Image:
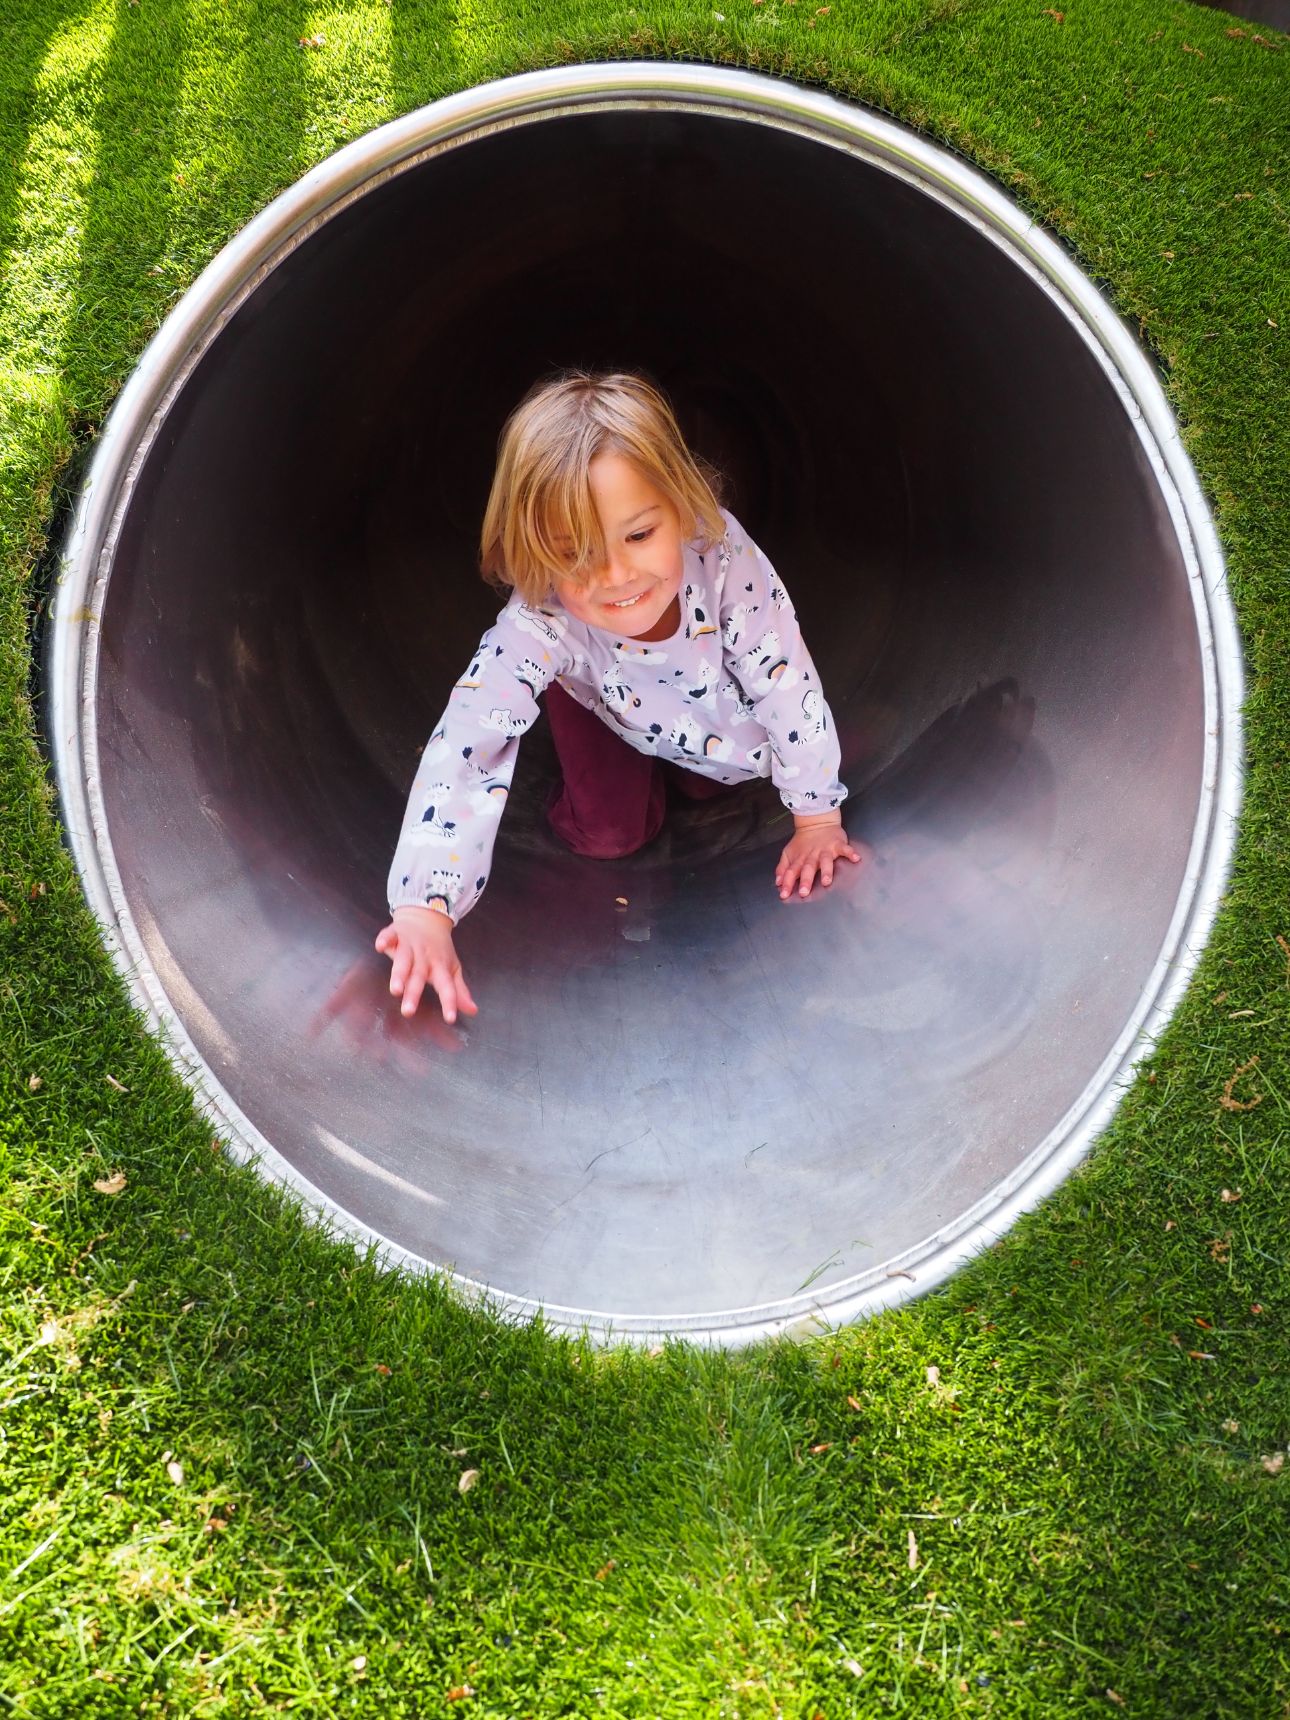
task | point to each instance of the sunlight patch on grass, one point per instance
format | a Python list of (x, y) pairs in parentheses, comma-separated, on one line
[(41, 267), (345, 53)]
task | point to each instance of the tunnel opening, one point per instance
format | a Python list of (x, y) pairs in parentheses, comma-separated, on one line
[(685, 1105)]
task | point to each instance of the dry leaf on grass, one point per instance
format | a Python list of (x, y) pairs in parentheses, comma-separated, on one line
[(913, 1552), (34, 1083), (1229, 1195), (111, 1185), (48, 1332), (359, 1663), (113, 1082), (603, 1572), (459, 1693), (467, 1480), (176, 1472), (1275, 1463), (933, 1376)]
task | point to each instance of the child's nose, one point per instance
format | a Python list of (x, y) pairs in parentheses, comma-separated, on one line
[(616, 571)]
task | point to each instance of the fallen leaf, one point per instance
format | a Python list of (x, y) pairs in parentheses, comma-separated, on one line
[(176, 1472), (383, 1370), (1202, 1355), (216, 1525), (318, 41), (655, 1353), (459, 1693), (359, 1662), (1115, 1697), (933, 1376), (1231, 1425), (113, 1082), (188, 1307), (817, 1449), (1235, 32), (1059, 17), (1243, 197), (1169, 1224), (913, 1552), (1229, 1195), (621, 900), (34, 1083), (48, 1332), (1205, 1323), (1188, 49), (854, 1668), (111, 1185), (854, 1403), (1256, 1307), (603, 1572), (1274, 1464), (467, 1480)]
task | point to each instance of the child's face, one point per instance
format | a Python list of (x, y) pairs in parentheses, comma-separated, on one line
[(635, 593)]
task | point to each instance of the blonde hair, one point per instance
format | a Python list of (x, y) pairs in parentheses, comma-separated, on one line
[(541, 490)]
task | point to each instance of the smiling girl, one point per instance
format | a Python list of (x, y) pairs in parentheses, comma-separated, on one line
[(656, 630)]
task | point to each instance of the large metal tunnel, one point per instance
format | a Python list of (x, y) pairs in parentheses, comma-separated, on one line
[(684, 1106)]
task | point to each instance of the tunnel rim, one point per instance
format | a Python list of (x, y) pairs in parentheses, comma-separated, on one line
[(195, 324)]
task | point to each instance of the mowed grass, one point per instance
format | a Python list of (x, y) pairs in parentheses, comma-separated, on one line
[(232, 1451)]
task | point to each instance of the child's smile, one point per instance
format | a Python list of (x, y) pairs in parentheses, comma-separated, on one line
[(635, 592)]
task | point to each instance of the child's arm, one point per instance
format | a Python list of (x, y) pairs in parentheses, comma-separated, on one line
[(441, 863), (765, 651)]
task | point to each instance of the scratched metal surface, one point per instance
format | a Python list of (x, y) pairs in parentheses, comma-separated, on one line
[(704, 1110)]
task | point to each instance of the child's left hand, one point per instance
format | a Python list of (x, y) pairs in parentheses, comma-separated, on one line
[(816, 844)]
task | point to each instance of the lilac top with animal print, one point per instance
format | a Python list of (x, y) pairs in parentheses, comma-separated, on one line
[(732, 694)]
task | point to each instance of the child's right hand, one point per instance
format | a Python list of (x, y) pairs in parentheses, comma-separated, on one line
[(418, 942)]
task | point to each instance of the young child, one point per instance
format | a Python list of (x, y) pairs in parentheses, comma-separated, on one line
[(655, 628)]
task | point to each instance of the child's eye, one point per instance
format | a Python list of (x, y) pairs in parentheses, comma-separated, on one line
[(639, 537)]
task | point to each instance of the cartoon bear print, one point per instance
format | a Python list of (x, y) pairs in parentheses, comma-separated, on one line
[(812, 718), (735, 624), (616, 694), (765, 666), (443, 887), (533, 676), (506, 722), (433, 828), (540, 624)]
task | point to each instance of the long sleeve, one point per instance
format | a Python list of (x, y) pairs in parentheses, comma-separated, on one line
[(445, 844), (767, 655)]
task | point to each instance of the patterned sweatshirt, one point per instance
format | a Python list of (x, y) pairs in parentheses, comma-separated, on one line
[(733, 694)]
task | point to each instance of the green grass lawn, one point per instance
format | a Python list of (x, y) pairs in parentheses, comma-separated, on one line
[(232, 1451)]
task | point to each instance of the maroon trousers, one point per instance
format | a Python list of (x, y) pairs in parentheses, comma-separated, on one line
[(613, 799)]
